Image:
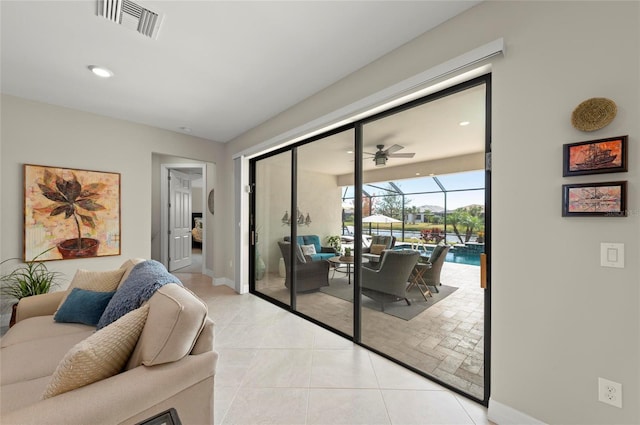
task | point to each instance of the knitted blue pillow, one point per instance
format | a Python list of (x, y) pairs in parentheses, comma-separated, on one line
[(143, 281), (83, 306)]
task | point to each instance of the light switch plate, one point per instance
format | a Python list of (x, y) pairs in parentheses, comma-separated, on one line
[(612, 254)]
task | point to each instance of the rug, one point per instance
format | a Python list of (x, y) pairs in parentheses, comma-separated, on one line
[(341, 289)]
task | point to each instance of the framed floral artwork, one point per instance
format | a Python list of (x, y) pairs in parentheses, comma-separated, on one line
[(70, 213)]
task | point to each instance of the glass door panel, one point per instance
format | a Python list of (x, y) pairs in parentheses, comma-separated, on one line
[(418, 306), (272, 192), (325, 288)]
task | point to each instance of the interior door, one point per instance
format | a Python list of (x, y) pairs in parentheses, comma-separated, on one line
[(179, 220)]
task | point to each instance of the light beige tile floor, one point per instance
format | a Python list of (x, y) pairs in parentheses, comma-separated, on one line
[(445, 341), (277, 368)]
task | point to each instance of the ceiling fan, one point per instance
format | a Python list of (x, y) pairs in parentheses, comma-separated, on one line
[(381, 156)]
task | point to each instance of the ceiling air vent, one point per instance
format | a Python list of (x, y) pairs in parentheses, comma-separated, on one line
[(131, 15)]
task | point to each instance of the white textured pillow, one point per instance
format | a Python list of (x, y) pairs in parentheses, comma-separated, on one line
[(105, 281), (103, 354), (308, 249)]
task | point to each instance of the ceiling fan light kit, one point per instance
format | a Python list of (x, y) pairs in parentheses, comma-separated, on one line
[(381, 156)]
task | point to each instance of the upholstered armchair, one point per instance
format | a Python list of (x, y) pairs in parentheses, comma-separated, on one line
[(310, 275), (374, 251), (432, 275), (389, 282)]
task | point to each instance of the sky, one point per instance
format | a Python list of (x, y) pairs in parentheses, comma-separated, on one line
[(451, 182)]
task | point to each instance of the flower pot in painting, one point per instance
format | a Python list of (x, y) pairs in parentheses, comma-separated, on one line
[(69, 248)]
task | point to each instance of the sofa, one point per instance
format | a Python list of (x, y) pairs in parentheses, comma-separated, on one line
[(318, 252), (154, 358)]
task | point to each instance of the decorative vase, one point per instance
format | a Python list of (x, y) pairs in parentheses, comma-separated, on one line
[(260, 266), (69, 248)]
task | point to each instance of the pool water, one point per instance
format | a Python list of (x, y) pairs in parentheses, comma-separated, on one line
[(470, 258), (463, 258)]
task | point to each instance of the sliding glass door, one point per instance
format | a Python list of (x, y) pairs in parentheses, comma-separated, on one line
[(323, 167), (422, 304), (271, 197), (375, 231)]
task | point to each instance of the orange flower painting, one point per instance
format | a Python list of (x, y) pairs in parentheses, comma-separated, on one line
[(77, 212)]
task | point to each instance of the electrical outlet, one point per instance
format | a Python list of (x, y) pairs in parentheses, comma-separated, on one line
[(610, 392)]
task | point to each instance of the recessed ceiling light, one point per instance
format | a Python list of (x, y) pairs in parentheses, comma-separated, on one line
[(349, 152), (417, 174), (463, 123), (101, 71)]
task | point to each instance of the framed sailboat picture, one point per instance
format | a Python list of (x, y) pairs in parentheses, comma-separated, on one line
[(595, 157), (607, 199)]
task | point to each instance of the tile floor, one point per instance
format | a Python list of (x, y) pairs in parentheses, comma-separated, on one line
[(446, 340), (277, 368)]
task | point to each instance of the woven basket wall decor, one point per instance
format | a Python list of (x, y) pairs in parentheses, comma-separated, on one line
[(594, 114)]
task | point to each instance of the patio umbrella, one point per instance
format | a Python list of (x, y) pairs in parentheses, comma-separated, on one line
[(379, 218)]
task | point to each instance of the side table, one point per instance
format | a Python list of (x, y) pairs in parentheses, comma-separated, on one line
[(417, 280)]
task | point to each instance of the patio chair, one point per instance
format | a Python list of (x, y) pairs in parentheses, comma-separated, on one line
[(389, 282), (310, 275), (432, 275), (374, 251)]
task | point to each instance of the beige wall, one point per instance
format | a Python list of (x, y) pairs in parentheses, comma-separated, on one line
[(318, 195), (38, 133), (559, 320)]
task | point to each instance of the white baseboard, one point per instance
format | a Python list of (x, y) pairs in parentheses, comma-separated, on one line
[(218, 281), (502, 414)]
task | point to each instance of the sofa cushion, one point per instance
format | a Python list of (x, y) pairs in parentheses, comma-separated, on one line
[(387, 241), (128, 266), (39, 327), (104, 281), (22, 394), (300, 254), (21, 362), (83, 306), (377, 249), (176, 318), (308, 249), (145, 278), (100, 356), (312, 240)]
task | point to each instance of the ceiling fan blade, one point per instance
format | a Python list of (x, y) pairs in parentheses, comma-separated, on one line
[(401, 155), (369, 153), (393, 149)]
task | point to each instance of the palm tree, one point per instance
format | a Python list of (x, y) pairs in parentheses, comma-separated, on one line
[(456, 218), (473, 223)]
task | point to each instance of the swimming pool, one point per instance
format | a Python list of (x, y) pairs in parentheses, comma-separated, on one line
[(453, 256)]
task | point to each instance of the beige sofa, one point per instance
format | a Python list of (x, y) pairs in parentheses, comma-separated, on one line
[(172, 366)]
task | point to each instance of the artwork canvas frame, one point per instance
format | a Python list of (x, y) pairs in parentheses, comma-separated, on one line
[(595, 156), (70, 213), (605, 199)]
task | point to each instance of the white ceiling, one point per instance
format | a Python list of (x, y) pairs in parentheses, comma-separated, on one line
[(218, 68)]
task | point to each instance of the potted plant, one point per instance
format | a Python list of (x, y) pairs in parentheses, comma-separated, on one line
[(31, 278), (335, 242), (75, 201)]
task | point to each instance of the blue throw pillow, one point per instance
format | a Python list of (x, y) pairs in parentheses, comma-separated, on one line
[(83, 306)]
